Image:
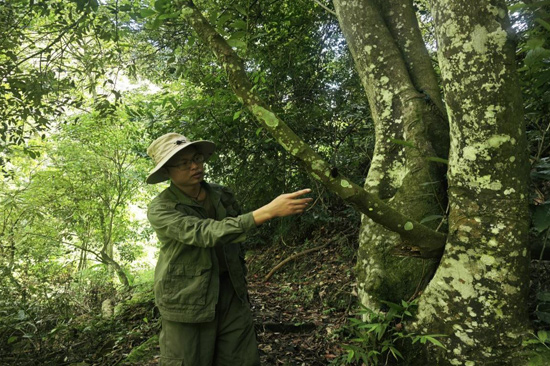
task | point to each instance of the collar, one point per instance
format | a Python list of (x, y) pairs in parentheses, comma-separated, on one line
[(181, 197)]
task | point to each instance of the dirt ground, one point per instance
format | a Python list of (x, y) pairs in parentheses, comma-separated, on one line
[(298, 317)]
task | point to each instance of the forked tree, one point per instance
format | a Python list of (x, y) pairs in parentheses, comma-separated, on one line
[(460, 155)]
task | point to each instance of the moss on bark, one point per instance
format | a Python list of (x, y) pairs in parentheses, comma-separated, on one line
[(392, 62), (478, 294)]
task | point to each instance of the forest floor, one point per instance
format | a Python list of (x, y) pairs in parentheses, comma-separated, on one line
[(301, 310), (299, 313)]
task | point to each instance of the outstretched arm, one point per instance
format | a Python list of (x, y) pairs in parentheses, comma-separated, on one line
[(284, 205)]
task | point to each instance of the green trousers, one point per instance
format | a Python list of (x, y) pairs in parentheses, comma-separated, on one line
[(228, 340)]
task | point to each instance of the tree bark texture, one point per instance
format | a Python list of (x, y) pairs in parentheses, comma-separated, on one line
[(403, 94), (478, 295)]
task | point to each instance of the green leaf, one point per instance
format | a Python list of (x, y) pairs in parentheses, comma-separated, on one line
[(540, 174), (403, 142), (536, 57), (259, 130), (80, 4), (236, 43), (237, 115), (434, 341), (94, 4), (542, 335), (222, 20), (543, 316), (543, 296), (160, 5), (544, 23), (396, 354), (533, 43), (239, 24), (238, 35), (12, 339), (351, 354), (145, 13), (430, 218), (156, 23), (241, 9), (21, 315), (541, 217)]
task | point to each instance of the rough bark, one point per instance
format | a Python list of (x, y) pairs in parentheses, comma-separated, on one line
[(397, 75), (428, 241), (478, 294)]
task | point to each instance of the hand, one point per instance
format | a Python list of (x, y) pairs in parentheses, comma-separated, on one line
[(284, 205)]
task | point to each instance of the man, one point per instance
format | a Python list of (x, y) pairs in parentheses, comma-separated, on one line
[(200, 285)]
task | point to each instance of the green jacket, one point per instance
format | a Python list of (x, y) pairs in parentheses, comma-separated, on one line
[(187, 274)]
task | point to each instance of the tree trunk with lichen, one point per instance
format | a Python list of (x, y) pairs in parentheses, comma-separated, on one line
[(478, 295), (411, 128)]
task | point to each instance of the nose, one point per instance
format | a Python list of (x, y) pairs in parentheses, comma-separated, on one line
[(194, 165)]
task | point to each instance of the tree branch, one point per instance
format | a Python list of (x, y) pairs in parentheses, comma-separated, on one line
[(291, 258), (325, 7), (411, 231)]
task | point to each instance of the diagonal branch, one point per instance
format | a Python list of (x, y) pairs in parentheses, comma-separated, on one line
[(413, 233), (325, 7)]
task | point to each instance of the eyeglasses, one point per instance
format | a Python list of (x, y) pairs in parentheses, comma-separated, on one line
[(186, 164)]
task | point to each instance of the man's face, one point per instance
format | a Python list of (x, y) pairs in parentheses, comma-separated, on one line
[(183, 168)]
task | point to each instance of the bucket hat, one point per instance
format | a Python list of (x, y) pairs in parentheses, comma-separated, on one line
[(166, 146)]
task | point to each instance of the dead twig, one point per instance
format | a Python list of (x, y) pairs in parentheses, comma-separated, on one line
[(291, 258)]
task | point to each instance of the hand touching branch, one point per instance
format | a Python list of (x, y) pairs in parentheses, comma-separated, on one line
[(284, 205)]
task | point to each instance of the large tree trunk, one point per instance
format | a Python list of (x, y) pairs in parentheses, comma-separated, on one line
[(405, 102), (478, 294)]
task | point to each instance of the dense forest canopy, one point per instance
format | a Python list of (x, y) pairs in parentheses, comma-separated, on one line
[(421, 126)]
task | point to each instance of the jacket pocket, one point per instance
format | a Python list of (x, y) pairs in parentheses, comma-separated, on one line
[(186, 284)]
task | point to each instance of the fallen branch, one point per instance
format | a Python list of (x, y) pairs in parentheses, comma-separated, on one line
[(291, 258)]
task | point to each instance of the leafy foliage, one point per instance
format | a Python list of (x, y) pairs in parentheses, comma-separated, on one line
[(298, 62), (531, 23), (540, 348), (50, 52), (381, 335), (543, 307)]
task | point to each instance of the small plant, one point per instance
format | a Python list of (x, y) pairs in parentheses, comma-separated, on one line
[(542, 338), (538, 348), (377, 336), (543, 307)]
